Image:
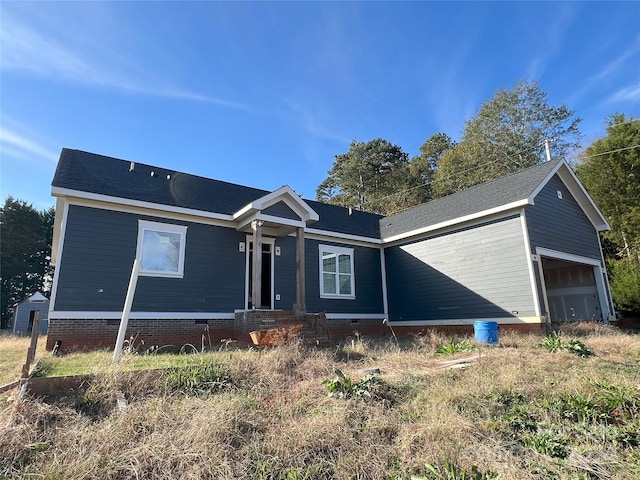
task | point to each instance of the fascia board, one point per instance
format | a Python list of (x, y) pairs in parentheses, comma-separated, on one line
[(285, 194), (544, 182), (458, 220), (583, 198), (270, 219), (65, 192), (570, 257), (280, 221), (319, 234)]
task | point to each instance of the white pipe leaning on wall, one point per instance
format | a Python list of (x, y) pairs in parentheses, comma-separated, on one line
[(117, 351)]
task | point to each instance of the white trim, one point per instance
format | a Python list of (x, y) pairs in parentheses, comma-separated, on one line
[(543, 183), (271, 241), (570, 257), (246, 221), (163, 216), (146, 225), (383, 273), (543, 286), (56, 270), (65, 192), (57, 225), (280, 220), (332, 249), (458, 220), (467, 321), (355, 316), (344, 237), (605, 277), (529, 260), (285, 194), (143, 315)]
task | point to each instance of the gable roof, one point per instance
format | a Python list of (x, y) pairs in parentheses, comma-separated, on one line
[(89, 175), (506, 193)]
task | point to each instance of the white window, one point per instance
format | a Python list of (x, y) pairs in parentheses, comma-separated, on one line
[(336, 272), (161, 249)]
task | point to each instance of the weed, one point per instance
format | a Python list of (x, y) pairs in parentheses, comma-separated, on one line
[(452, 346), (42, 369), (554, 342), (449, 471), (197, 379), (548, 443), (342, 386)]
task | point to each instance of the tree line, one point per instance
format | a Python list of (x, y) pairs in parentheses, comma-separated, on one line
[(510, 132), (25, 253)]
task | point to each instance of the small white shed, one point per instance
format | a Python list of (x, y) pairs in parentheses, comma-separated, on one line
[(25, 312)]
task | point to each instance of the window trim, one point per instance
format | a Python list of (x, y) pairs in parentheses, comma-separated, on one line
[(337, 251), (145, 225)]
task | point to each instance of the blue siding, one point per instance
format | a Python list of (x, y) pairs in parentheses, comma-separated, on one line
[(99, 249), (283, 210), (560, 224), (368, 281), (284, 267), (477, 272)]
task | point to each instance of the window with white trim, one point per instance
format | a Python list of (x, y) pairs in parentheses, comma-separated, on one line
[(161, 249), (337, 279)]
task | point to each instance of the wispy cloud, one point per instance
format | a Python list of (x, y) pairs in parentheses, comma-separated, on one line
[(309, 121), (608, 71), (25, 145), (550, 41), (630, 93), (29, 46)]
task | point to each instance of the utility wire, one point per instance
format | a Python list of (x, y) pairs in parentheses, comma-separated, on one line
[(460, 173), (610, 151)]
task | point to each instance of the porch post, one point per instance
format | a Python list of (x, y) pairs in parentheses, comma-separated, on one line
[(301, 302), (256, 297)]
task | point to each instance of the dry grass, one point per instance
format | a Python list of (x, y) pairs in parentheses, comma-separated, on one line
[(274, 419), (13, 355)]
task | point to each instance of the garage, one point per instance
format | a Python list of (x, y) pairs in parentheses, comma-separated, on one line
[(571, 290)]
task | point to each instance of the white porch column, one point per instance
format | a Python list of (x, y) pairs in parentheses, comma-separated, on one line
[(256, 297)]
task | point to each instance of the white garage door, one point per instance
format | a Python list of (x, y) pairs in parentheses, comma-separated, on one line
[(571, 290)]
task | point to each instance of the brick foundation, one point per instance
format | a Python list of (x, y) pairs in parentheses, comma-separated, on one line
[(95, 334)]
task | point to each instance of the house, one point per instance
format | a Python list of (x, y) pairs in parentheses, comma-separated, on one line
[(521, 250), (25, 312)]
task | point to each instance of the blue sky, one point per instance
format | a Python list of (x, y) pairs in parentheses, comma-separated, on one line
[(265, 94)]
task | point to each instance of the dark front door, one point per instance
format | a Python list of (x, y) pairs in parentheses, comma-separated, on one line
[(265, 286)]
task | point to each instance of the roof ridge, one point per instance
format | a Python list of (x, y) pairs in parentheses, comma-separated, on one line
[(477, 186)]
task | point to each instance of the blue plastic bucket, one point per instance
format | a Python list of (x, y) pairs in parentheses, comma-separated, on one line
[(486, 332)]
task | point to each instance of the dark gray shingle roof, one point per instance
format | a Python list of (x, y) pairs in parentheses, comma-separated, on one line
[(480, 198), (102, 175)]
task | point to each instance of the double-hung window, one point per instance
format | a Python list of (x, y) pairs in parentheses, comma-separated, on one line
[(337, 279), (161, 249)]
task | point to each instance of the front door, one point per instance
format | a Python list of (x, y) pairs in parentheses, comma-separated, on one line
[(266, 290)]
